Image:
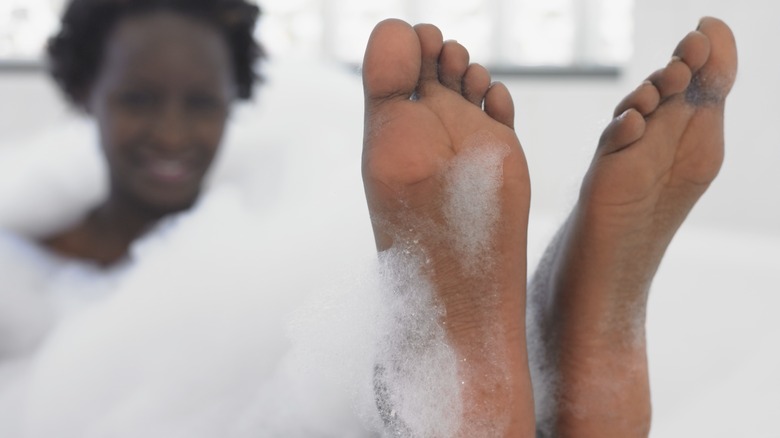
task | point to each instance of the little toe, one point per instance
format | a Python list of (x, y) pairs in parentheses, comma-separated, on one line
[(453, 62), (499, 105), (431, 42), (645, 99), (624, 130), (476, 82), (391, 66)]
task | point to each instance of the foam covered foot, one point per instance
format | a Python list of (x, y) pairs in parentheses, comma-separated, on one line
[(448, 192)]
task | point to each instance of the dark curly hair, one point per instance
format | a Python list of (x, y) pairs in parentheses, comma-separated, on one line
[(75, 53)]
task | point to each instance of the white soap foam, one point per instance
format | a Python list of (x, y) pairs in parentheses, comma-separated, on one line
[(472, 205), (417, 377)]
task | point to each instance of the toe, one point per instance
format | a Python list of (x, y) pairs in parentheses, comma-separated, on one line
[(499, 105), (644, 99), (476, 82), (624, 129), (391, 66), (430, 42), (723, 54), (453, 62), (672, 79)]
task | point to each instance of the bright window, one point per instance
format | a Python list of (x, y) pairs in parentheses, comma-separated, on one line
[(25, 25), (499, 33)]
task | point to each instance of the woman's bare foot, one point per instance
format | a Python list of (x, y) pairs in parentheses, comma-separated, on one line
[(447, 188), (653, 162)]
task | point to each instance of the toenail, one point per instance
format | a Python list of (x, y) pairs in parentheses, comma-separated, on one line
[(674, 59)]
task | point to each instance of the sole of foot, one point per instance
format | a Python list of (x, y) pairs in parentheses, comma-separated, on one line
[(435, 128)]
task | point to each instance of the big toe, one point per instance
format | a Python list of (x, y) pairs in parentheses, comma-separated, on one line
[(712, 83), (391, 65)]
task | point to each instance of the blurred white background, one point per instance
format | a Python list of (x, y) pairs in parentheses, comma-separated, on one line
[(713, 331)]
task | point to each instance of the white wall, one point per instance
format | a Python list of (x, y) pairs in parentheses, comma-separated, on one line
[(29, 102)]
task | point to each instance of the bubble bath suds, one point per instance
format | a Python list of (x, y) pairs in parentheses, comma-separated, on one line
[(472, 205), (417, 383)]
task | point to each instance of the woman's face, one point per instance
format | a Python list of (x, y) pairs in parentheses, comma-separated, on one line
[(161, 100)]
